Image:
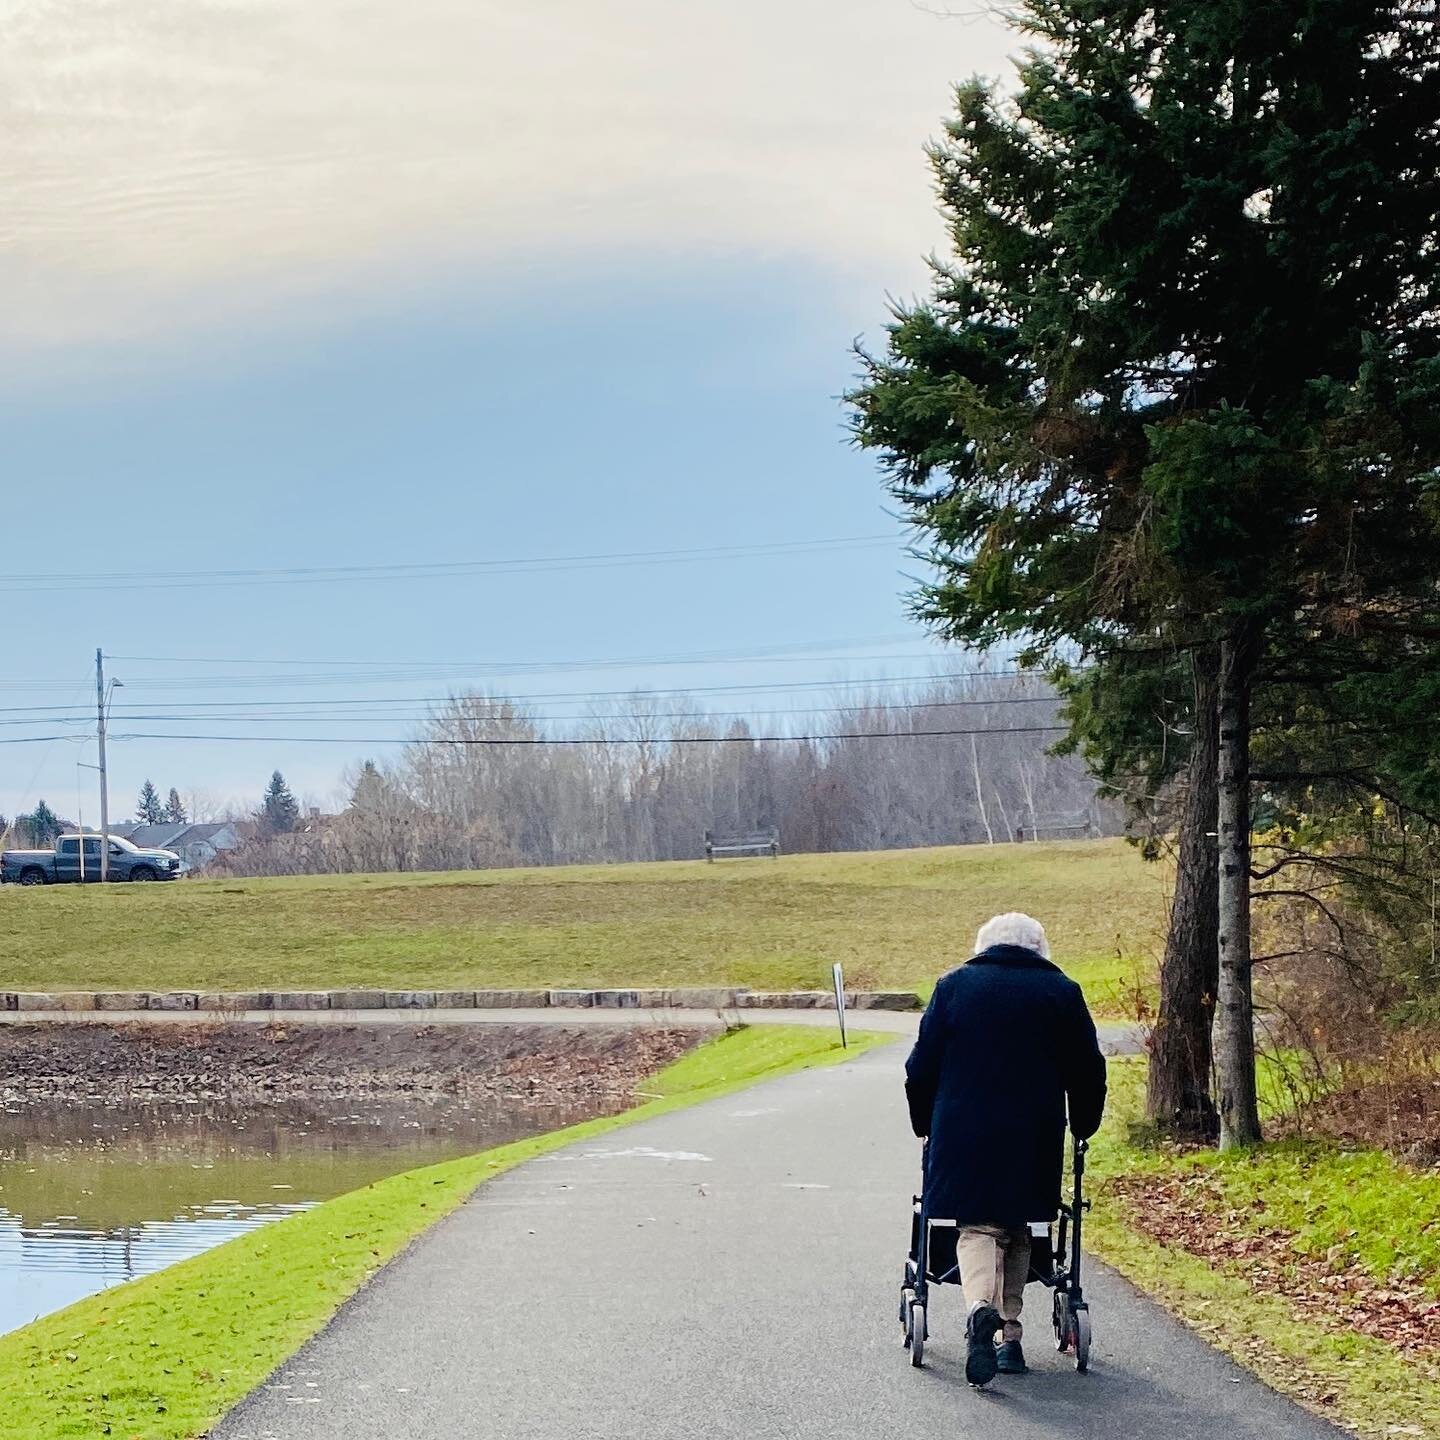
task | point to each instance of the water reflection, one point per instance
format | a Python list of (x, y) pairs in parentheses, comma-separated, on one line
[(93, 1194)]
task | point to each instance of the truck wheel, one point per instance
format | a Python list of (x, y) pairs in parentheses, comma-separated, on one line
[(142, 872), (32, 876)]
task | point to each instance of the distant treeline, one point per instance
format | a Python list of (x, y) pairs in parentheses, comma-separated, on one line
[(868, 773)]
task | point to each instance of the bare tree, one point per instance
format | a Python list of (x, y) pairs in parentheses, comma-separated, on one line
[(643, 781)]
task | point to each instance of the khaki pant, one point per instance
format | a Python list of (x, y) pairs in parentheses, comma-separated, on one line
[(994, 1265)]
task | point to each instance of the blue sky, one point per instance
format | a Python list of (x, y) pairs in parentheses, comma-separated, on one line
[(626, 334)]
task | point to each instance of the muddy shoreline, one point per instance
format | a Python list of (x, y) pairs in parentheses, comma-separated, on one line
[(123, 1061)]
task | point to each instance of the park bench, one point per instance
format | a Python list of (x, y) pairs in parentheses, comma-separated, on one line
[(742, 842), (1058, 827)]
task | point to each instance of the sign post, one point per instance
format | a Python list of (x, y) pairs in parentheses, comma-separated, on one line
[(838, 975)]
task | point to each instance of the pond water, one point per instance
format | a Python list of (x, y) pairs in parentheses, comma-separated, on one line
[(93, 1193)]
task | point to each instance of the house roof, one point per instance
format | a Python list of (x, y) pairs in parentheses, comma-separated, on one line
[(151, 837), (168, 836), (195, 833)]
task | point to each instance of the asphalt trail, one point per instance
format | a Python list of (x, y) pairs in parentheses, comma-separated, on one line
[(730, 1270)]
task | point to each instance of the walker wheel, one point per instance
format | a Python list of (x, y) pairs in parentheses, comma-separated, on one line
[(1082, 1340), (907, 1299), (1060, 1318), (917, 1335)]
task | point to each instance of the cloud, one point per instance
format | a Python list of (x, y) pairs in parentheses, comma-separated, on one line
[(165, 163)]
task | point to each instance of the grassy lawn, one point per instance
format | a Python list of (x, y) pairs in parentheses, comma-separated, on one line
[(896, 919), (1313, 1264), (164, 1357)]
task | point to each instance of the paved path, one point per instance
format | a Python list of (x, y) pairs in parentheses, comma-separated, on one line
[(725, 1271)]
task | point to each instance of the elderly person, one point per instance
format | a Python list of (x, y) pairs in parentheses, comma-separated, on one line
[(1005, 1047)]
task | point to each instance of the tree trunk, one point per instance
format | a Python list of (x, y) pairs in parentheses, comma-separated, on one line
[(1235, 1020), (979, 792), (1178, 1089)]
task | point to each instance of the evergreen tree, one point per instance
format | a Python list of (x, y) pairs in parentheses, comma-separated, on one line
[(148, 809), (279, 810), (43, 824), (1172, 406), (175, 808)]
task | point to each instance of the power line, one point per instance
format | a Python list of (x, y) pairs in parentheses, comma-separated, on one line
[(288, 716), (466, 674), (576, 740), (340, 709), (458, 673), (581, 696), (78, 719), (788, 648), (432, 570)]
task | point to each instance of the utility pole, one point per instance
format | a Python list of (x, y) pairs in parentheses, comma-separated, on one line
[(104, 787)]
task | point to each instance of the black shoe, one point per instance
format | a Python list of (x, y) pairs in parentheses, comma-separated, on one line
[(1010, 1359), (980, 1331)]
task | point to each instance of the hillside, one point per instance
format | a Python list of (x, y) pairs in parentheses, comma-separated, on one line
[(896, 919)]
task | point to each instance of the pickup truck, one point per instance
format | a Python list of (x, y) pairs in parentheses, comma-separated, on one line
[(68, 862)]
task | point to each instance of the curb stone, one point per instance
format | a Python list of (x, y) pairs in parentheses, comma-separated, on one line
[(774, 1000), (512, 999), (229, 1000), (706, 999), (788, 1000), (238, 1002), (357, 999), (884, 1000), (36, 1001), (633, 999), (73, 1000), (410, 1000), (175, 1000), (122, 1000), (573, 999), (300, 1000)]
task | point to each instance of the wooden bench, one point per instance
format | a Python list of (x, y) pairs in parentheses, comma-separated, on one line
[(742, 842), (1054, 828)]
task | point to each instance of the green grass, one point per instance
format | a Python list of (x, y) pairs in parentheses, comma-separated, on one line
[(164, 1357), (1352, 1207), (895, 919), (1355, 1209)]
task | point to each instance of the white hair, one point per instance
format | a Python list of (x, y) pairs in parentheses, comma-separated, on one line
[(1013, 928)]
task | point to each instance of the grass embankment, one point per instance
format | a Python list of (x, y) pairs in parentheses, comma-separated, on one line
[(895, 919), (1313, 1264), (163, 1357)]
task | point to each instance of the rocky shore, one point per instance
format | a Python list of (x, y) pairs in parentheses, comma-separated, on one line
[(127, 1061)]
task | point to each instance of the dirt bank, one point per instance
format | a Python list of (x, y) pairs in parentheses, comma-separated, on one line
[(188, 1061)]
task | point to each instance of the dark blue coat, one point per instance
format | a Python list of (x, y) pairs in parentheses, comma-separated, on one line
[(1006, 1043)]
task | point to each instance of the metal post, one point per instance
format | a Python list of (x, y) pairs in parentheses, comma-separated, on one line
[(104, 788), (837, 976)]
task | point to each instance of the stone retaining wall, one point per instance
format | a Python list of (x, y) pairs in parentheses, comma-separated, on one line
[(221, 1003)]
